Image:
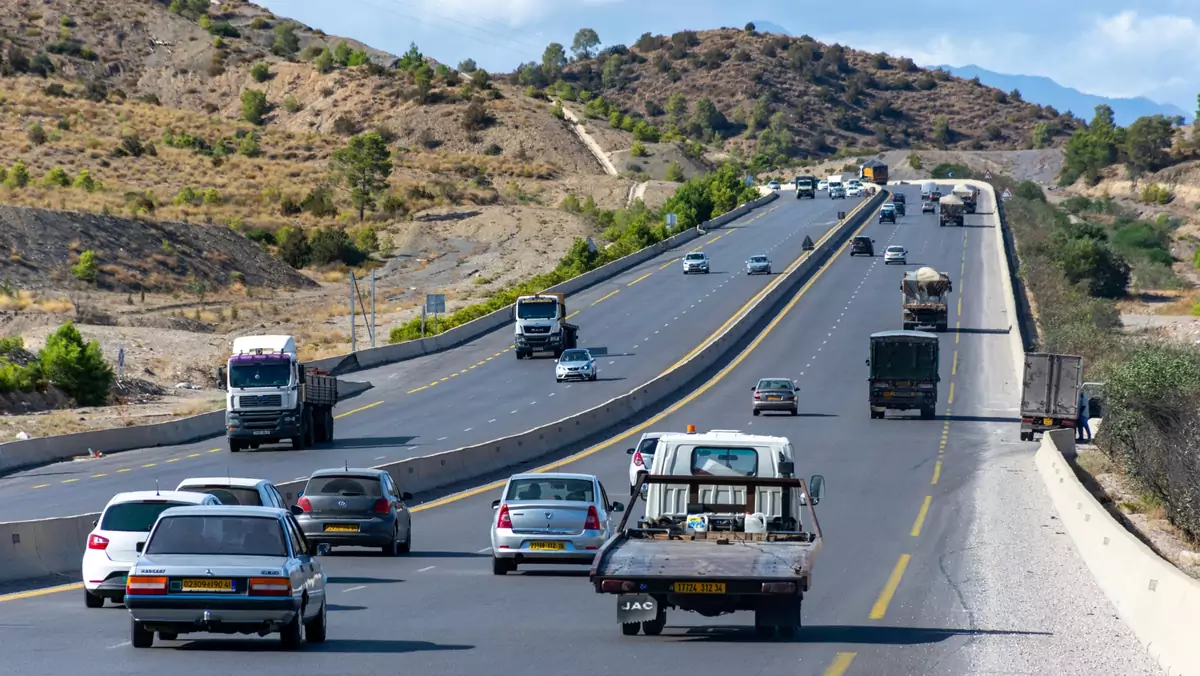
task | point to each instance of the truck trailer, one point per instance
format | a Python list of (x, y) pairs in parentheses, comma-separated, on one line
[(271, 396), (950, 211), (903, 372), (924, 298), (1050, 393), (969, 196), (541, 325)]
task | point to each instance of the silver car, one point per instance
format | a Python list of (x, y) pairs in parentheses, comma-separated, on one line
[(576, 364), (776, 394), (895, 254), (695, 262), (227, 570), (550, 518), (758, 265)]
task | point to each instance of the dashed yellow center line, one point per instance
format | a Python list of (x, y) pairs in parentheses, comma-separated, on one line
[(601, 300), (937, 473), (960, 307), (489, 358), (175, 459), (639, 279), (150, 464), (193, 455), (954, 365), (97, 476), (123, 469), (950, 399), (841, 662), (417, 389), (916, 529), (41, 485), (957, 326), (446, 378), (69, 481), (668, 264), (340, 415), (889, 589), (568, 317)]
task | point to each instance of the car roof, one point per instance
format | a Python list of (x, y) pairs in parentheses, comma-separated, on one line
[(777, 378), (895, 246), (348, 471), (227, 510), (231, 482), (190, 497), (862, 238), (552, 475), (759, 256)]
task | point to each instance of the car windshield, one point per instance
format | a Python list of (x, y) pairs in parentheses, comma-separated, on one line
[(895, 249), (758, 259), (218, 536), (775, 384), (695, 257), (346, 486), (537, 309), (260, 374), (135, 517), (577, 490), (229, 495), (709, 461), (574, 355)]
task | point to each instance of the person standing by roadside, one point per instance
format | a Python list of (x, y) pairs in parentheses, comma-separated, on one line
[(1081, 427)]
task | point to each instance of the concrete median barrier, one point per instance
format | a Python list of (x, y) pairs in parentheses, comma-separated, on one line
[(1155, 599)]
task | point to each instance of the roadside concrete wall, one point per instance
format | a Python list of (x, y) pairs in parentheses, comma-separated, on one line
[(31, 549)]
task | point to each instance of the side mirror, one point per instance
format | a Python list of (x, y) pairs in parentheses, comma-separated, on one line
[(630, 451), (816, 486), (139, 547), (406, 496), (321, 549), (495, 504), (618, 507), (512, 311), (95, 521), (295, 510), (868, 362), (299, 495), (221, 374)]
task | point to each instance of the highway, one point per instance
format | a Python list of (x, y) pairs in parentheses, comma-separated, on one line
[(906, 583), (640, 323)]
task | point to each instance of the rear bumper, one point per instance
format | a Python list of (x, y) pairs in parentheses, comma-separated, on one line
[(373, 533), (580, 548), (903, 400), (232, 614), (775, 405)]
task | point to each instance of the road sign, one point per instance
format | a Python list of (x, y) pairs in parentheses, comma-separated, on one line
[(749, 180), (435, 303), (1006, 195), (950, 174), (987, 175), (672, 219)]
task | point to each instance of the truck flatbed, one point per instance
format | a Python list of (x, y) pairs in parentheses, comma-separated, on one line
[(707, 556)]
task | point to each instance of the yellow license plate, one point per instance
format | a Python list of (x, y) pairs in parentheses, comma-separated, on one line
[(547, 546), (1047, 421), (699, 587), (772, 398), (205, 585), (888, 394), (903, 383), (340, 528)]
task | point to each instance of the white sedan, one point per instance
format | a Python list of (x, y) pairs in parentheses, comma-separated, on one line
[(895, 254), (575, 364), (773, 185), (854, 190)]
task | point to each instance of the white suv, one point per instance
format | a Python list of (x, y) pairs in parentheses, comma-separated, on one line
[(112, 546), (642, 457), (695, 262)]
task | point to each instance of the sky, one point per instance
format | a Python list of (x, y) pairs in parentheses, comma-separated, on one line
[(1105, 47)]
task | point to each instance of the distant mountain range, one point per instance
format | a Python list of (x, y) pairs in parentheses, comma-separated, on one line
[(1047, 92)]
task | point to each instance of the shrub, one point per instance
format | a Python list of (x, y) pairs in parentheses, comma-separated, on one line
[(638, 149), (254, 105), (261, 72), (290, 104), (36, 134), (345, 125), (293, 247), (211, 196), (476, 117), (1156, 194), (675, 172), (249, 146), (76, 367), (85, 269), (18, 176), (332, 244), (85, 182), (557, 110), (56, 178)]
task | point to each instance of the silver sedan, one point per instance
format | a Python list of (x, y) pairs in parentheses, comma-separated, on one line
[(226, 570), (758, 265), (550, 518)]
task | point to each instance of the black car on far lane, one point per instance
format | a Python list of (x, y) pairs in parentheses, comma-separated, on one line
[(862, 245), (355, 508)]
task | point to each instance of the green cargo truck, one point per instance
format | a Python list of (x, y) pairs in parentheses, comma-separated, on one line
[(903, 372), (806, 186)]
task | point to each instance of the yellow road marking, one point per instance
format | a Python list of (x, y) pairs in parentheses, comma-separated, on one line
[(960, 306), (41, 485), (950, 399), (568, 317), (841, 662), (69, 481), (957, 326), (193, 455), (639, 279), (40, 592), (97, 476), (217, 450), (175, 459), (361, 408), (123, 469), (150, 464), (668, 264), (916, 529), (669, 410), (937, 473), (954, 366), (889, 590), (417, 389), (607, 297)]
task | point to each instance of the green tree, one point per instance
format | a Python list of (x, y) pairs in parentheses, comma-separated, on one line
[(85, 182), (249, 146), (261, 72), (638, 149), (18, 176), (612, 76), (254, 104), (293, 248), (286, 42), (677, 108), (412, 59), (330, 245), (56, 178), (85, 268), (358, 58), (675, 172), (76, 367), (585, 41), (1041, 135), (941, 130), (1147, 144), (364, 165), (324, 61), (341, 53), (467, 66), (553, 60)]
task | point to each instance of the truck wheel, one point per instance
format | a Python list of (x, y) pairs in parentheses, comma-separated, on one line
[(927, 413), (329, 425), (655, 627), (234, 446), (631, 628), (941, 328)]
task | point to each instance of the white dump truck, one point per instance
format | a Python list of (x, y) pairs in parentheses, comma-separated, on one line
[(926, 299), (541, 325), (968, 194), (271, 396)]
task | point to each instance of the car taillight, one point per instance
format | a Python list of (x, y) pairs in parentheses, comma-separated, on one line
[(304, 504), (757, 395), (97, 542), (637, 459), (270, 586), (382, 506), (505, 521), (593, 519), (140, 584)]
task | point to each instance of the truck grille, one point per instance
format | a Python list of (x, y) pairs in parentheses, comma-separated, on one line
[(537, 329), (261, 421), (260, 400)]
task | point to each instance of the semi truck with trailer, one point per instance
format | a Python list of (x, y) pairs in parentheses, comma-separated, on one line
[(271, 396), (541, 325)]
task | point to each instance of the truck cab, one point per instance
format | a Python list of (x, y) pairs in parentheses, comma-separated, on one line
[(541, 325), (806, 186)]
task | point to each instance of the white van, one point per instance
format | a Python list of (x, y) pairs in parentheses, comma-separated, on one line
[(717, 453), (835, 181)]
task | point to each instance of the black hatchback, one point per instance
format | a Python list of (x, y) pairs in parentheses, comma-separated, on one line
[(862, 245), (356, 508)]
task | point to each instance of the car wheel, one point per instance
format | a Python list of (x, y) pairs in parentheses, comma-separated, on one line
[(393, 547), (92, 600), (139, 636), (316, 629), (796, 411), (757, 412), (501, 566), (290, 636), (406, 546)]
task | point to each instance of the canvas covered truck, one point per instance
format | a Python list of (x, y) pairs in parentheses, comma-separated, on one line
[(903, 372), (806, 186), (925, 299), (969, 196), (1050, 393), (875, 171), (714, 544), (541, 325), (271, 396), (950, 211)]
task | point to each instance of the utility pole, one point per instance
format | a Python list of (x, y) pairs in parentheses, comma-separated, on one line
[(353, 342), (373, 328)]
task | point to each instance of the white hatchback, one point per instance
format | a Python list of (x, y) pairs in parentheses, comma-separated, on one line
[(642, 457), (895, 254), (112, 546)]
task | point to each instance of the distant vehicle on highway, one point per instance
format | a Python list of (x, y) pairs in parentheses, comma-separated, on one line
[(837, 192), (898, 198), (895, 254), (887, 213), (355, 508), (758, 264), (773, 185), (928, 207), (236, 490), (695, 262), (576, 364), (854, 190), (823, 184), (862, 245), (227, 570), (776, 394), (641, 457), (112, 546), (550, 518), (900, 208)]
